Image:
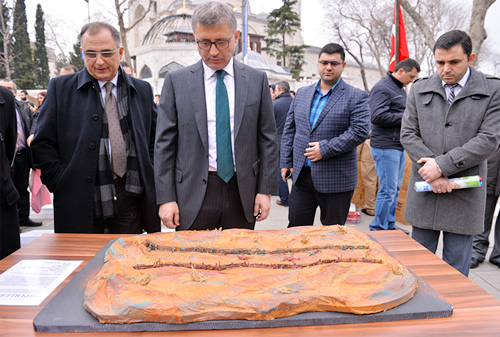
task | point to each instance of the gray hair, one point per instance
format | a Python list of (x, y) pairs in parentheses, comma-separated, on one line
[(284, 86), (213, 13), (10, 81), (93, 28)]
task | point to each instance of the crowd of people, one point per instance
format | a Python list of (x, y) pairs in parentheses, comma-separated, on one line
[(209, 152)]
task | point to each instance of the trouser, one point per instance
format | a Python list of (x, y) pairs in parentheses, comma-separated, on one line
[(390, 166), (20, 173), (305, 199), (481, 241)]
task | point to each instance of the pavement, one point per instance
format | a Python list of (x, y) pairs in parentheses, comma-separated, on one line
[(487, 275)]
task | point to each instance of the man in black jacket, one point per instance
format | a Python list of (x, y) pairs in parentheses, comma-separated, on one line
[(387, 104), (281, 105), (20, 171), (9, 228)]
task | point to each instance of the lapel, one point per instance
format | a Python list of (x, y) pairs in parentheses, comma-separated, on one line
[(196, 90), (334, 97), (240, 93)]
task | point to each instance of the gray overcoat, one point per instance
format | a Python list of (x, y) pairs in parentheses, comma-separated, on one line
[(460, 138)]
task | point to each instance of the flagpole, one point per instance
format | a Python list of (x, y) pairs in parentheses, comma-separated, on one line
[(396, 33)]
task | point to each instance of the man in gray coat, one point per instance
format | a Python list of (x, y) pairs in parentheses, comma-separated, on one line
[(216, 155), (449, 129)]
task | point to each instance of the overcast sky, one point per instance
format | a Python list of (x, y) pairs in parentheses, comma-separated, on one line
[(69, 16)]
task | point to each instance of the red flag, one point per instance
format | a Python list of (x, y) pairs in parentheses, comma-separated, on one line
[(403, 46)]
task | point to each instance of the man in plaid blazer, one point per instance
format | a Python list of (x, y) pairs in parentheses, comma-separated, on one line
[(325, 124)]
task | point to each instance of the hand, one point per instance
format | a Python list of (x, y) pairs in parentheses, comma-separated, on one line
[(30, 139), (441, 185), (262, 206), (430, 170), (313, 152), (284, 172), (169, 214)]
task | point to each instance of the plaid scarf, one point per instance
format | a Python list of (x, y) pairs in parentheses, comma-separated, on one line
[(104, 192)]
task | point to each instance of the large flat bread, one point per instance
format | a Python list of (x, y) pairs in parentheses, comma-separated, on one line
[(191, 276)]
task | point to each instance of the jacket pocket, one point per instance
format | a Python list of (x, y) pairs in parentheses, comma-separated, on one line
[(178, 175), (12, 197), (256, 168)]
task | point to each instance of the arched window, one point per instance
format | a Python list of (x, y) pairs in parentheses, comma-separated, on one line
[(146, 72), (168, 68)]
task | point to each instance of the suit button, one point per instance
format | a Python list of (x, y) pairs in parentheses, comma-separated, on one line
[(89, 179), (95, 117), (204, 181), (461, 164), (92, 146), (447, 125)]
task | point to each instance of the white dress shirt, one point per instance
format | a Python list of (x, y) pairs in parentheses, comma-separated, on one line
[(210, 91)]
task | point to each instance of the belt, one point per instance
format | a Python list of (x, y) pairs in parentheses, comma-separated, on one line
[(119, 181)]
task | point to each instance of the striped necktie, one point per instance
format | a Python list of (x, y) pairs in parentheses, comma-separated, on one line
[(225, 166), (451, 97)]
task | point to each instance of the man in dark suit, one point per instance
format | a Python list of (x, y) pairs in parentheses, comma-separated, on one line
[(325, 124), (94, 143), (9, 228), (281, 105), (20, 171), (216, 155)]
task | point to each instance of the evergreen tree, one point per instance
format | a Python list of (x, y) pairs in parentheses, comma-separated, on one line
[(5, 39), (23, 66), (75, 57), (41, 58), (281, 23)]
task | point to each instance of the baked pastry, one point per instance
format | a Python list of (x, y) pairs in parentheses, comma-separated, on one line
[(190, 276)]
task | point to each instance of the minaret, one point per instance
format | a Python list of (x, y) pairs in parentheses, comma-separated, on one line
[(297, 37)]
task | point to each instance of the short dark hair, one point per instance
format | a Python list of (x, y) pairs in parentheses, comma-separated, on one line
[(284, 86), (408, 65), (451, 39), (24, 92), (333, 48), (271, 86), (95, 27), (69, 67)]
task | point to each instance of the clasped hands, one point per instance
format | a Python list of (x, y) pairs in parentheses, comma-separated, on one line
[(432, 174)]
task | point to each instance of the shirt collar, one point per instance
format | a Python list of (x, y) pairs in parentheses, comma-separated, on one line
[(209, 72), (318, 87), (114, 81), (463, 81)]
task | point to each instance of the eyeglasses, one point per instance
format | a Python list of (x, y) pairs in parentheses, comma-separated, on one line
[(104, 54), (207, 45), (332, 63)]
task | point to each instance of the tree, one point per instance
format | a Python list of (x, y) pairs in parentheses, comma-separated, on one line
[(283, 22), (121, 8), (22, 63), (5, 41), (41, 58), (75, 57)]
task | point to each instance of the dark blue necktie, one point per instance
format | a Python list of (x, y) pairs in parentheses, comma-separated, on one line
[(225, 166)]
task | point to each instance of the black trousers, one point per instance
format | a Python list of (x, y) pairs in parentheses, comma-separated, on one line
[(221, 207), (20, 173), (128, 217), (481, 241), (9, 229), (305, 199)]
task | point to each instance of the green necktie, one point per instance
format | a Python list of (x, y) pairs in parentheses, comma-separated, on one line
[(225, 166)]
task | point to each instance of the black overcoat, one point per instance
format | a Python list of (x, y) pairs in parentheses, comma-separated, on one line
[(66, 147)]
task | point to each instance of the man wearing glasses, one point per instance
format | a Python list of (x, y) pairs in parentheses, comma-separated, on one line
[(325, 124), (94, 143), (216, 155)]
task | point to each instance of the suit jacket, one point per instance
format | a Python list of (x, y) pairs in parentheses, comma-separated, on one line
[(9, 224), (460, 137), (342, 125), (66, 147), (181, 153)]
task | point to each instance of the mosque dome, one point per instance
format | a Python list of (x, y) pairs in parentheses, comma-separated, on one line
[(173, 28)]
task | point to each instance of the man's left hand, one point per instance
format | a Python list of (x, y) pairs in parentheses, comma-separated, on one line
[(262, 206), (313, 152), (430, 171)]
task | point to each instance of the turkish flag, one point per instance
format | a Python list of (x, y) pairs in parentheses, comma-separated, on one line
[(403, 46)]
